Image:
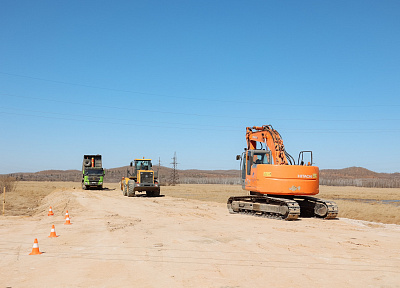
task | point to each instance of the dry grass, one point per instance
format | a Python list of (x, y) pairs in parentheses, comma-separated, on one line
[(350, 192), (365, 203), (27, 196), (204, 192), (374, 212), (351, 200)]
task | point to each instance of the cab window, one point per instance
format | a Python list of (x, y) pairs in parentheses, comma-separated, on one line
[(261, 159)]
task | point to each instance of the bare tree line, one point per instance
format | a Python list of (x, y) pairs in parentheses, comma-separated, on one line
[(62, 176), (361, 182), (206, 177), (209, 180)]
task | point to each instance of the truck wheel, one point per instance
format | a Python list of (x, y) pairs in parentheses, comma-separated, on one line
[(83, 186), (86, 162), (124, 192), (131, 188), (156, 193)]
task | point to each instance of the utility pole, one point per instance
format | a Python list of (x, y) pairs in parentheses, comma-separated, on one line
[(174, 175), (4, 201), (158, 169)]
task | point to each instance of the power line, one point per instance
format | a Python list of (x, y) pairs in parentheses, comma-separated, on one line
[(99, 117), (187, 114), (115, 123), (212, 128), (284, 104), (115, 107)]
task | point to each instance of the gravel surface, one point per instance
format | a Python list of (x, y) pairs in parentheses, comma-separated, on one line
[(116, 241)]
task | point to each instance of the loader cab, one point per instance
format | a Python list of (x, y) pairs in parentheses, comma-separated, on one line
[(141, 164), (250, 159)]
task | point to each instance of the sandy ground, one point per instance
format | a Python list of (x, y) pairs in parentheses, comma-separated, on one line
[(116, 241)]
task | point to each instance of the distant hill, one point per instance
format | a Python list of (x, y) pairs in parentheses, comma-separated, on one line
[(358, 176), (352, 176), (351, 172)]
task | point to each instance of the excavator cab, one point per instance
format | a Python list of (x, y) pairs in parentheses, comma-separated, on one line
[(250, 159)]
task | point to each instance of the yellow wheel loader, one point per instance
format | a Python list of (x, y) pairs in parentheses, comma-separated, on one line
[(142, 179)]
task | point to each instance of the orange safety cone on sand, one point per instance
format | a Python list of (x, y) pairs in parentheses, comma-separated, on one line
[(53, 232), (50, 212), (67, 222), (66, 215), (35, 248)]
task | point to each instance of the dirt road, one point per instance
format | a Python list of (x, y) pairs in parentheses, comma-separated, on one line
[(116, 241)]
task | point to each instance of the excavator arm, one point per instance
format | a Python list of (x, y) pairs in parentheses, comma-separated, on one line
[(272, 139)]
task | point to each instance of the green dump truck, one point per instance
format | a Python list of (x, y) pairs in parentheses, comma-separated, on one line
[(92, 172)]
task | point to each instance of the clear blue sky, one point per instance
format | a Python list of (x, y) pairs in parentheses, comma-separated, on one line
[(128, 79)]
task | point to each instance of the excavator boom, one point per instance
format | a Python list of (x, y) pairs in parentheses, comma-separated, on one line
[(272, 139)]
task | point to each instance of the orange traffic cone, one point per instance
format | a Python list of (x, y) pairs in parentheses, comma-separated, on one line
[(35, 248), (66, 215), (53, 232), (67, 222), (50, 212)]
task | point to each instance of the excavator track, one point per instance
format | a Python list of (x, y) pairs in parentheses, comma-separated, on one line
[(264, 206), (316, 207), (286, 207)]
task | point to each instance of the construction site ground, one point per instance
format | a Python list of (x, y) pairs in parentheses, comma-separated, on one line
[(116, 241)]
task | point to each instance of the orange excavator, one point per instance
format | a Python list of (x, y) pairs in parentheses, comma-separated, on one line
[(279, 187)]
